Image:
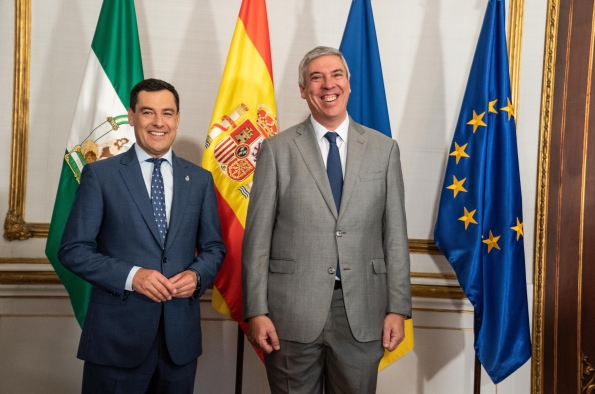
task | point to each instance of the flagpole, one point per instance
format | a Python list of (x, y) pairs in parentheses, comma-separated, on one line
[(477, 376), (239, 360)]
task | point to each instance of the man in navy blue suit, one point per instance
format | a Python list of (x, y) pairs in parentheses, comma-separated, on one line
[(145, 232)]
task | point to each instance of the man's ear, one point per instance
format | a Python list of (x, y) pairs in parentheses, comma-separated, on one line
[(130, 117), (302, 91)]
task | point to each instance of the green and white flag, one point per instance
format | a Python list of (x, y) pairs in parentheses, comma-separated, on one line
[(100, 126)]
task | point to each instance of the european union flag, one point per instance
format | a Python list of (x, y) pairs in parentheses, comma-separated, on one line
[(367, 102), (480, 221)]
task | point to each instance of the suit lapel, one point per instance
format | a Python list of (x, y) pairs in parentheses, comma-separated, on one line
[(356, 146), (133, 178), (182, 183), (310, 151)]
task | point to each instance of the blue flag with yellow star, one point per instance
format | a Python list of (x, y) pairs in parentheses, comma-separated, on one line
[(480, 221)]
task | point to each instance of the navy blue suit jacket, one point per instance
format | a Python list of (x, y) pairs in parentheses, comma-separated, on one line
[(111, 228)]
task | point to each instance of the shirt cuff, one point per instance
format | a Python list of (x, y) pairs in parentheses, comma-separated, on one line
[(128, 285)]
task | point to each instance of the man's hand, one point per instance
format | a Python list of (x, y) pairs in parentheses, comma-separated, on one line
[(153, 285), (262, 334), (185, 283), (393, 331)]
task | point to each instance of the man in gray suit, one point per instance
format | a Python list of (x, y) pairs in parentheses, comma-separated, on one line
[(325, 255)]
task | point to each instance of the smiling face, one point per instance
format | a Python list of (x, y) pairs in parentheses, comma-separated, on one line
[(327, 90), (155, 121)]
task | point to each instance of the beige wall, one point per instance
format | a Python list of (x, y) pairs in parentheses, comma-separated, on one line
[(426, 49)]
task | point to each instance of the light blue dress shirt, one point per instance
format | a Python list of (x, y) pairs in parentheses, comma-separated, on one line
[(167, 172)]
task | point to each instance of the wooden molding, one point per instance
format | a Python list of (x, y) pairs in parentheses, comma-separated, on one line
[(29, 278), (432, 291), (423, 246), (23, 260), (50, 278)]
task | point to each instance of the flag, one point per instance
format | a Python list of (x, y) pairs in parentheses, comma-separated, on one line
[(244, 114), (480, 221), (100, 126), (367, 103)]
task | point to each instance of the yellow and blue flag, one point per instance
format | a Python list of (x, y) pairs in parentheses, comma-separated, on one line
[(367, 101), (480, 220), (367, 104)]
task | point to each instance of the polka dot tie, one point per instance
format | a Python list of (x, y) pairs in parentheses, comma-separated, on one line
[(158, 199)]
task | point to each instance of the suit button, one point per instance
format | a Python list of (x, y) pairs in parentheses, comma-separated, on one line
[(331, 270), (164, 260), (339, 233)]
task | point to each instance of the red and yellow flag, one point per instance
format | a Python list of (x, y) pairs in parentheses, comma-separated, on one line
[(244, 114)]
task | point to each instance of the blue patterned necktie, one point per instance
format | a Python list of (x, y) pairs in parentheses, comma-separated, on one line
[(158, 199), (335, 174)]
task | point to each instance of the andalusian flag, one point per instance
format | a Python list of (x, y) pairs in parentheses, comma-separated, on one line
[(367, 103), (100, 127), (244, 114)]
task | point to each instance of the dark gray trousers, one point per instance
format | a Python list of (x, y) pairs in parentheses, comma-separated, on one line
[(335, 359)]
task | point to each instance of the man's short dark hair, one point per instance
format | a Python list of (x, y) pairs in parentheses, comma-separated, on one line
[(152, 85)]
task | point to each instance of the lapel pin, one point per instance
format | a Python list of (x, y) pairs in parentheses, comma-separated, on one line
[(187, 178)]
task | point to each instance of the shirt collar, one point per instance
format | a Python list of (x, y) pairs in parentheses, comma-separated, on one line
[(320, 130), (144, 156)]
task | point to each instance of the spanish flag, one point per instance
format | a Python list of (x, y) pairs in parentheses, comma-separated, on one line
[(244, 115)]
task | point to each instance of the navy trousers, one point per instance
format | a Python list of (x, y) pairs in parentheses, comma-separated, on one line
[(156, 375)]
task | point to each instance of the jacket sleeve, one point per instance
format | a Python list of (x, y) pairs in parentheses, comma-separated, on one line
[(78, 250), (395, 241), (209, 244), (258, 234)]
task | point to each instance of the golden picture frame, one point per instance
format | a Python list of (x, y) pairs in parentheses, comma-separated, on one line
[(16, 228)]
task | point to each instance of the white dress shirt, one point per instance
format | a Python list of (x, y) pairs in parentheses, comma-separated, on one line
[(167, 172), (323, 143)]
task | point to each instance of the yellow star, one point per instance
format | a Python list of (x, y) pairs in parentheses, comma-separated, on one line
[(492, 242), (509, 108), (518, 228), (477, 121), (459, 152), (491, 106), (468, 217), (457, 185)]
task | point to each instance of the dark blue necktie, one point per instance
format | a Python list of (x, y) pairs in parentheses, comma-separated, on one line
[(335, 174), (158, 199)]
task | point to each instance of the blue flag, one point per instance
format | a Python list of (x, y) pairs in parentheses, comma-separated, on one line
[(367, 102), (480, 221)]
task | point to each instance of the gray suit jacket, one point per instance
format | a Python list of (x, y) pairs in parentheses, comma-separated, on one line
[(294, 235)]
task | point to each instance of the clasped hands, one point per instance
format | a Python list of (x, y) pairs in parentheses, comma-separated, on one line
[(158, 288), (262, 333)]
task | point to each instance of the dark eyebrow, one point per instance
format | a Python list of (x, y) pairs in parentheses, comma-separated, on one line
[(153, 109)]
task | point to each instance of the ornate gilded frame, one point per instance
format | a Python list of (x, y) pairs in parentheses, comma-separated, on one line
[(16, 228), (547, 96)]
